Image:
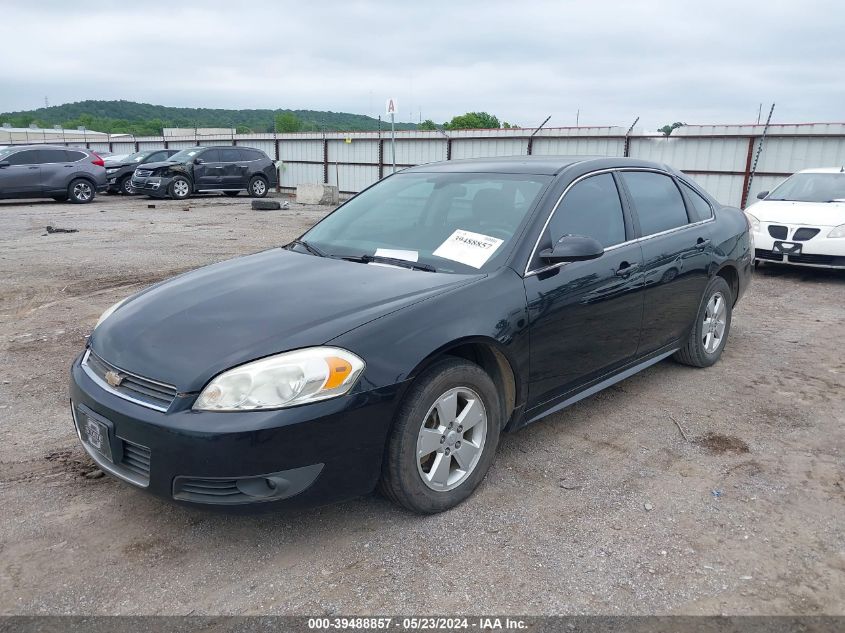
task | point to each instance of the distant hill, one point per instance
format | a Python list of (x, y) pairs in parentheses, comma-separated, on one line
[(144, 119)]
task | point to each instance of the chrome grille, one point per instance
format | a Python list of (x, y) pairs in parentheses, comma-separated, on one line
[(144, 391), (143, 173)]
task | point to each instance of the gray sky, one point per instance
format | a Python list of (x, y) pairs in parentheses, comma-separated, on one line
[(698, 62)]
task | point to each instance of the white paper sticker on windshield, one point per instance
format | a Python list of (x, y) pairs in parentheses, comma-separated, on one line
[(408, 256), (466, 247)]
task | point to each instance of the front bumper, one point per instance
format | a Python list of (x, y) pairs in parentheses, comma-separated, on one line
[(307, 455), (818, 251), (155, 186)]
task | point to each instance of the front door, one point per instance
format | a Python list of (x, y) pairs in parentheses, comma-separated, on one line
[(22, 176), (209, 173), (584, 316)]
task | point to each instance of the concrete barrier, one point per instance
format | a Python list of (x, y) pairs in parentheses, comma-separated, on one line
[(317, 194)]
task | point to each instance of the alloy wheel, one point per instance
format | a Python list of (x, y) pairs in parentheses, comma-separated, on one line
[(451, 439), (180, 188), (82, 191), (715, 318), (258, 187), (128, 189)]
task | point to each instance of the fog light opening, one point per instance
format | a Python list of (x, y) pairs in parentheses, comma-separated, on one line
[(263, 487)]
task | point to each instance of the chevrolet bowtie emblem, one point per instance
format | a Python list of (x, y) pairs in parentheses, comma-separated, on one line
[(113, 378)]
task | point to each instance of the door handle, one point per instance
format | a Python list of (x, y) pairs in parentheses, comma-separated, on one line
[(702, 243), (625, 269), (33, 167)]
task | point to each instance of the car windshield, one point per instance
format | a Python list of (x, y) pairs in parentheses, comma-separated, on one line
[(6, 152), (810, 187), (137, 157), (452, 222), (185, 154)]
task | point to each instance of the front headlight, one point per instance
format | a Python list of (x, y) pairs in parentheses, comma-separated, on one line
[(283, 380), (105, 315), (111, 171), (755, 223), (837, 231)]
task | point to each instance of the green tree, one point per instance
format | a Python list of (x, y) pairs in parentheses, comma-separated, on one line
[(472, 120), (428, 124), (288, 122), (667, 130)]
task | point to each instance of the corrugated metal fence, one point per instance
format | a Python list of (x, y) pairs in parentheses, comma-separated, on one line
[(719, 157)]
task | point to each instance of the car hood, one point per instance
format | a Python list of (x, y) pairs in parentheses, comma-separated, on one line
[(160, 164), (802, 213), (186, 330)]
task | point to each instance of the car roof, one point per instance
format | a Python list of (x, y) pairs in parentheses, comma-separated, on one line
[(537, 165), (823, 170), (42, 146)]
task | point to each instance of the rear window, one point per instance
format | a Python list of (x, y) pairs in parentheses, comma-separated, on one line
[(701, 207), (252, 154), (229, 155), (74, 156)]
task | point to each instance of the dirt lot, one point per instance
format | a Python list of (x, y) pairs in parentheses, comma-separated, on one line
[(605, 508)]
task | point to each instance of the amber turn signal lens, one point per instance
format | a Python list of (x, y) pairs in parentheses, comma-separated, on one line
[(339, 370)]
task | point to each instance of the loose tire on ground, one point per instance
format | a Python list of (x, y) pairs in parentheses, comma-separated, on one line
[(257, 187), (712, 326), (266, 205), (81, 191), (415, 441)]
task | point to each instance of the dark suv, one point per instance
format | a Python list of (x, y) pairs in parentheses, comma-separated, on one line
[(120, 171), (50, 171), (229, 170)]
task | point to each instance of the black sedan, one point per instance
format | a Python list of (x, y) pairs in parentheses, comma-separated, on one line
[(395, 341)]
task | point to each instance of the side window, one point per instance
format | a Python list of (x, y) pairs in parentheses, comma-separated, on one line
[(657, 200), (591, 208), (54, 156), (26, 157), (157, 157), (701, 206), (75, 156), (210, 156), (230, 155)]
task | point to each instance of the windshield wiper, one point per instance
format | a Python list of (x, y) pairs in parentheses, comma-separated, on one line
[(393, 261), (308, 247)]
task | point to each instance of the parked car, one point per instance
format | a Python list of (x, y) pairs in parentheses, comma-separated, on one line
[(395, 340), (50, 171), (802, 222), (228, 170), (119, 171)]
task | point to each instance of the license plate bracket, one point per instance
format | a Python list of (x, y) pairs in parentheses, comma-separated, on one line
[(787, 248), (95, 432)]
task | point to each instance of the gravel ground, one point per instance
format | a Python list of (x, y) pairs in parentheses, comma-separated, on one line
[(605, 508)]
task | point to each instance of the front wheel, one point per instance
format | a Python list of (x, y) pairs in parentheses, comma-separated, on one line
[(444, 438), (126, 187), (257, 187), (179, 188), (712, 326), (80, 191)]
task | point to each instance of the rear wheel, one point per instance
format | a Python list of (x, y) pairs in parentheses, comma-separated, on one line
[(444, 438), (80, 191), (712, 326), (231, 194), (257, 187), (179, 188)]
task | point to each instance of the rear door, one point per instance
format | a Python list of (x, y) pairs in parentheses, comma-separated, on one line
[(22, 176), (208, 174), (584, 316), (58, 167), (234, 172), (677, 251)]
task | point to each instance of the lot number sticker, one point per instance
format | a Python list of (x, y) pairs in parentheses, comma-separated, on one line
[(466, 247)]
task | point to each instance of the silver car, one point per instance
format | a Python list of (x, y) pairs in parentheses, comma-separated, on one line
[(51, 171)]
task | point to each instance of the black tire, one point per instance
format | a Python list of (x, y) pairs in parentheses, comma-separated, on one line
[(81, 191), (177, 191), (126, 187), (231, 194), (257, 187), (694, 353), (401, 478)]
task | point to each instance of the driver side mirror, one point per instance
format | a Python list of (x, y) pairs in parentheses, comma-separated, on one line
[(198, 161), (762, 195), (572, 248), (3, 164)]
